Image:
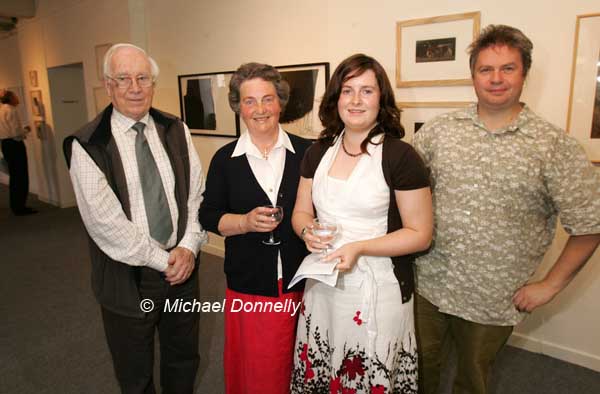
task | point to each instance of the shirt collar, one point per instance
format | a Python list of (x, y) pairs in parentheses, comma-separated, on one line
[(244, 145), (518, 124), (125, 122)]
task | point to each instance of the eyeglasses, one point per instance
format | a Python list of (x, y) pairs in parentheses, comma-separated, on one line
[(124, 82)]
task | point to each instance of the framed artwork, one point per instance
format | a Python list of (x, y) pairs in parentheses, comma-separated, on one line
[(39, 129), (101, 99), (33, 78), (204, 103), (432, 51), (415, 114), (583, 118), (100, 51), (37, 105), (307, 87)]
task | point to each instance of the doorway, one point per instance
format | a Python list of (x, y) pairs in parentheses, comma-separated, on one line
[(69, 113)]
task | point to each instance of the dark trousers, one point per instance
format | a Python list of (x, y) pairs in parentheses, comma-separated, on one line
[(476, 348), (131, 340), (15, 154)]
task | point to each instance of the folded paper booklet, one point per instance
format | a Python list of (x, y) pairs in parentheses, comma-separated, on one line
[(314, 267)]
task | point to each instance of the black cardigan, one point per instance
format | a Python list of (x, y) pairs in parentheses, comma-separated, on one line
[(251, 266)]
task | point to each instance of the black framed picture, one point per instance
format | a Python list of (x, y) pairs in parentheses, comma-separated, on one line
[(204, 103)]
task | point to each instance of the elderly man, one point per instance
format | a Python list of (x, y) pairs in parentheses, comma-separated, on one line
[(501, 176), (138, 183)]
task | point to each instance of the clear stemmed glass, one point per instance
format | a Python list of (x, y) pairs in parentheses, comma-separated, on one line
[(325, 229), (278, 216)]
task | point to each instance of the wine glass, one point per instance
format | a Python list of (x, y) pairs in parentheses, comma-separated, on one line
[(325, 229), (278, 216)]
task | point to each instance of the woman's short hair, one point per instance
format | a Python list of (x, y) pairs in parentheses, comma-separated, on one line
[(388, 119), (107, 64), (501, 35), (265, 72)]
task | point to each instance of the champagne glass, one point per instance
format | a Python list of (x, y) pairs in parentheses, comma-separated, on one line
[(277, 214), (327, 229)]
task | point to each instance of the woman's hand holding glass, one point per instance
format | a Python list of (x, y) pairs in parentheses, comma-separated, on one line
[(320, 235), (259, 220)]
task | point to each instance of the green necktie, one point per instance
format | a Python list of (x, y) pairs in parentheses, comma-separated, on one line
[(155, 198)]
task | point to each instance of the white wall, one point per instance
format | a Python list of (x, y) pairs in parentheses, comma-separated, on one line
[(195, 36), (10, 66), (64, 32), (219, 36)]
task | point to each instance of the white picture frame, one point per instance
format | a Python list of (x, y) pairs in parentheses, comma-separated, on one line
[(412, 70), (583, 117)]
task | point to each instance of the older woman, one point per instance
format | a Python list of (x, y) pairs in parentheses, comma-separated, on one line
[(261, 168), (358, 336)]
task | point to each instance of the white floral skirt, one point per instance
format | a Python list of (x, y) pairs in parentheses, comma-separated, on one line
[(333, 353)]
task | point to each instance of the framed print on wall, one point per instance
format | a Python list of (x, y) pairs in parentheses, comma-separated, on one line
[(307, 86), (33, 78), (583, 118), (100, 51), (432, 51), (40, 127), (37, 106), (204, 104), (415, 114)]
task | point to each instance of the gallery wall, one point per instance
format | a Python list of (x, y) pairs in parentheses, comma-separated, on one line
[(63, 32), (188, 36), (219, 36)]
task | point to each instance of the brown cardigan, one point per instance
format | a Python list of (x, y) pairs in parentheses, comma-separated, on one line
[(403, 169)]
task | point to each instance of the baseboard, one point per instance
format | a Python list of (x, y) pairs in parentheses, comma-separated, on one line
[(214, 250), (49, 200), (563, 353)]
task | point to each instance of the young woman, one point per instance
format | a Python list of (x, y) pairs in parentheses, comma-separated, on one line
[(359, 335)]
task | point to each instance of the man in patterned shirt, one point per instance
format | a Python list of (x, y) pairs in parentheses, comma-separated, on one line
[(500, 177), (138, 183)]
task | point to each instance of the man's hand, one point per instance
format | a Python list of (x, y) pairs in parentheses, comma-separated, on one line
[(534, 295), (181, 264)]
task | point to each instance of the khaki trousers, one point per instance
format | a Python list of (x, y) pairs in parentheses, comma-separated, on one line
[(476, 348)]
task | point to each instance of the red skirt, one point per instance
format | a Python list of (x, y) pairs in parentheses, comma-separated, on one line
[(260, 334)]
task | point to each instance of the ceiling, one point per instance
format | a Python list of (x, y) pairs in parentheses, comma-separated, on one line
[(12, 10)]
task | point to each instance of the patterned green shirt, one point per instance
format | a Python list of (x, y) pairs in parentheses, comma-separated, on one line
[(497, 196)]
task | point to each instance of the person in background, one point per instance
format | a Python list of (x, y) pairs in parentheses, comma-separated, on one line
[(501, 175), (138, 183), (12, 134), (358, 336), (246, 177)]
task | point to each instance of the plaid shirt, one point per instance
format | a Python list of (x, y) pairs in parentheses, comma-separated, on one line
[(102, 213), (497, 196)]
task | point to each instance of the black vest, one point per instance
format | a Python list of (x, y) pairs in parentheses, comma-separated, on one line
[(115, 284)]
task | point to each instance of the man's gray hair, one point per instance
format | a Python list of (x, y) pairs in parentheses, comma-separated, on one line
[(106, 67)]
